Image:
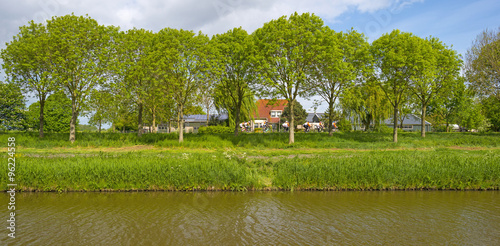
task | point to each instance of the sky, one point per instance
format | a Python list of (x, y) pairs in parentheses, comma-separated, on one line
[(456, 23)]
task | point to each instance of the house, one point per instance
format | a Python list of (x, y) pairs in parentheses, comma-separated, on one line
[(314, 117), (268, 111), (411, 123), (192, 122)]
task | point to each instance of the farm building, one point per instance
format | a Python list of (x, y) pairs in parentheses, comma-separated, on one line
[(411, 123), (191, 122)]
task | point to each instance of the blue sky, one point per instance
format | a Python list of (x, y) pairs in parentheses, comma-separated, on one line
[(456, 23)]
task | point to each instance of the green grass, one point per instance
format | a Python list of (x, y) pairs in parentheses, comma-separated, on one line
[(354, 140), (344, 161), (237, 170)]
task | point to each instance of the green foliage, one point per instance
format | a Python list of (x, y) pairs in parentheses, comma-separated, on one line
[(27, 62), (12, 115), (234, 75), (491, 108), (436, 75), (344, 60), (344, 125), (399, 58), (187, 57), (57, 113), (365, 103), (286, 50), (482, 64), (299, 114), (215, 130), (82, 57), (87, 128)]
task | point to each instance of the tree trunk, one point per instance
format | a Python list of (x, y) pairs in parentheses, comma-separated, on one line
[(42, 104), (100, 123), (292, 124), (237, 119), (395, 130), (181, 124), (367, 124), (154, 120), (422, 131), (139, 127), (330, 118), (72, 124)]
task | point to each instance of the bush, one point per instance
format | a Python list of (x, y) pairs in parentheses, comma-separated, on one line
[(215, 129), (258, 130), (344, 125), (383, 129)]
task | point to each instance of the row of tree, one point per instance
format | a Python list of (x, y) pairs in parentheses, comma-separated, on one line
[(108, 73)]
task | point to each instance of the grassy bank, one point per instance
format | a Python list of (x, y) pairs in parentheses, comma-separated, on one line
[(260, 170), (354, 140)]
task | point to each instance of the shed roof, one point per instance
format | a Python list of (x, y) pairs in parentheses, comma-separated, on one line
[(409, 119), (310, 116), (203, 117)]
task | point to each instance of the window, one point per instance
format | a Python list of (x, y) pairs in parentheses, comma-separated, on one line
[(408, 127), (275, 113)]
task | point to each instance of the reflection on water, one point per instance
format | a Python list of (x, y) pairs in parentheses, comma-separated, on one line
[(256, 218)]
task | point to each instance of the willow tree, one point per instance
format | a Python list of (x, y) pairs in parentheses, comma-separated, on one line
[(397, 56), (184, 53), (482, 65), (436, 73), (365, 103), (344, 60), (235, 74), (82, 54), (26, 62), (286, 48)]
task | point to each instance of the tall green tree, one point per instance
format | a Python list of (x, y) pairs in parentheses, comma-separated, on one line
[(26, 62), (137, 69), (365, 103), (234, 51), (299, 114), (57, 113), (344, 59), (436, 72), (491, 109), (186, 59), (82, 56), (482, 65), (101, 105), (12, 115), (286, 49), (397, 56), (444, 109)]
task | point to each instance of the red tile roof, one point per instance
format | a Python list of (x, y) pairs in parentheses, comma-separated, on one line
[(264, 107)]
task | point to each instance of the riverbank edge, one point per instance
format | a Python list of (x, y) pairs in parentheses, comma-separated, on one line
[(269, 189)]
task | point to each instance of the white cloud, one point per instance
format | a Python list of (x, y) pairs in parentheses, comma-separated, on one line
[(209, 16)]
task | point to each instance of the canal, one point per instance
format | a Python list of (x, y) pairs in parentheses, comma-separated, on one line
[(256, 218)]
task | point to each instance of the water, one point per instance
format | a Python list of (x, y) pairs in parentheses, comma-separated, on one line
[(256, 218)]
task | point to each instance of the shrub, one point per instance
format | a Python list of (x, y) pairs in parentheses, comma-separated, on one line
[(344, 125), (215, 129)]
